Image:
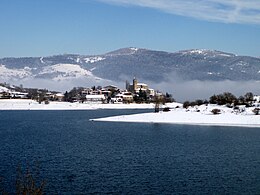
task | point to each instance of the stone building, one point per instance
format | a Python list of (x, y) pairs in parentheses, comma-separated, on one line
[(137, 87)]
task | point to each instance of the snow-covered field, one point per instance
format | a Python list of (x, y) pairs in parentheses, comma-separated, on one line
[(23, 104), (200, 115)]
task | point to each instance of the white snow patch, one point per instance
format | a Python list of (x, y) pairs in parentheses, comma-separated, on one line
[(41, 59), (225, 55), (197, 51), (194, 51), (66, 71), (24, 104), (93, 59), (4, 89), (134, 49), (200, 115), (27, 68), (7, 73), (241, 63)]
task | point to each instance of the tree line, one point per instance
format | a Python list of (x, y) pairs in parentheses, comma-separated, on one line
[(225, 98)]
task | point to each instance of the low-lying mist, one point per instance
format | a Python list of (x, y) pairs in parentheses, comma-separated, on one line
[(190, 90), (62, 85), (195, 89), (181, 90)]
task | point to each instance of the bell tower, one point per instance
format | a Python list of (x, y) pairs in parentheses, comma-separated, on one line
[(134, 84)]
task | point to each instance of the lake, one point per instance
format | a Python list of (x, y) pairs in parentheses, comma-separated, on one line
[(76, 156)]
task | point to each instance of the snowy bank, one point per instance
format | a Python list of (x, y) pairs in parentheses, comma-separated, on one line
[(200, 115), (23, 104)]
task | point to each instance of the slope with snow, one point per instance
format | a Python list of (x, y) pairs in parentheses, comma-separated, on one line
[(93, 59), (3, 89), (64, 71), (14, 74), (147, 65)]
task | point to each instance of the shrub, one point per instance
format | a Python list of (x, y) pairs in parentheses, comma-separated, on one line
[(199, 102), (216, 111), (249, 97), (166, 109), (256, 111), (222, 99), (213, 99), (192, 104), (186, 104)]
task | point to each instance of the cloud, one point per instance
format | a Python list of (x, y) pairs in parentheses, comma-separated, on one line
[(191, 90), (225, 11), (62, 86), (196, 89), (181, 90)]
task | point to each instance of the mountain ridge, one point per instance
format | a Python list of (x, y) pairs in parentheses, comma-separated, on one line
[(125, 63)]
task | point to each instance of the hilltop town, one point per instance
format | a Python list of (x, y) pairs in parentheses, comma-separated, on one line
[(135, 92), (135, 95)]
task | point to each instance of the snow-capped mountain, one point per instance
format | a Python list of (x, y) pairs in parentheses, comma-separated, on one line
[(60, 72), (196, 64), (19, 73)]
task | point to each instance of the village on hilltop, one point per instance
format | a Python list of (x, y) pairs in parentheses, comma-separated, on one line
[(136, 92), (133, 93)]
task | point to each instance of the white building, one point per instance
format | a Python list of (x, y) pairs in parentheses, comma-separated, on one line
[(124, 97), (15, 94), (96, 98), (137, 87)]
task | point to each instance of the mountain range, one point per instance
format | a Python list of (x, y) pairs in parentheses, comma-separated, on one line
[(126, 63)]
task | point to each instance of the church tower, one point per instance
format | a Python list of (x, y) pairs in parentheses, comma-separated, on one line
[(127, 85), (134, 84)]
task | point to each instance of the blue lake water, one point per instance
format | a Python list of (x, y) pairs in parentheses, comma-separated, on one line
[(78, 156)]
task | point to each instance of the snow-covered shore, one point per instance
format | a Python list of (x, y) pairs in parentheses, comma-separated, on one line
[(200, 115), (23, 104)]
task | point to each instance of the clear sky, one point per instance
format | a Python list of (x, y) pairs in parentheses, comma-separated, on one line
[(50, 27)]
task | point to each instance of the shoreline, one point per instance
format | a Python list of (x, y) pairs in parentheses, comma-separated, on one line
[(199, 115), (26, 104), (182, 116), (180, 123)]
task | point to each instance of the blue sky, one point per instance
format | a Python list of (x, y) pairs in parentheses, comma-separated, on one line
[(50, 27)]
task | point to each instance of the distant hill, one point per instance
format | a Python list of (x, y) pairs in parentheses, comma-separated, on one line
[(126, 63)]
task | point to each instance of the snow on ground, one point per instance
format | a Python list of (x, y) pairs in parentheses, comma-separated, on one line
[(93, 59), (225, 55), (134, 49), (4, 89), (23, 104), (200, 115), (196, 116), (41, 60), (67, 69), (6, 73)]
